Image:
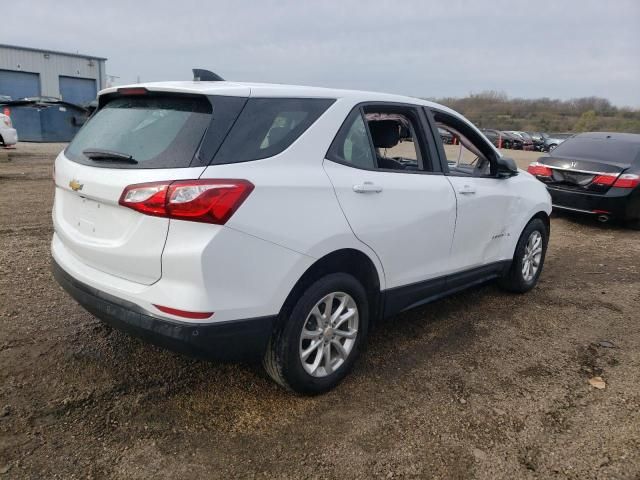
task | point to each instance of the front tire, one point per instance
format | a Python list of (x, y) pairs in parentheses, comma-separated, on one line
[(528, 258), (317, 345)]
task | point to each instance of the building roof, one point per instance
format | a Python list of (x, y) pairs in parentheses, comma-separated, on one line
[(55, 52)]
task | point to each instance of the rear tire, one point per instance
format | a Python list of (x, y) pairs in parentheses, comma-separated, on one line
[(338, 339), (528, 258)]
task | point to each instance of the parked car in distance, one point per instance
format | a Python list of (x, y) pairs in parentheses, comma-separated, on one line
[(8, 134), (512, 141), (445, 136), (538, 141), (502, 139), (552, 140), (527, 141), (596, 174), (288, 225)]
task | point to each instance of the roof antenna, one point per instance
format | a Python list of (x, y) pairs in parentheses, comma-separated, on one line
[(206, 76)]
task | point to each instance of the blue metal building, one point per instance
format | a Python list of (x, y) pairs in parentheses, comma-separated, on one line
[(32, 72), (65, 80)]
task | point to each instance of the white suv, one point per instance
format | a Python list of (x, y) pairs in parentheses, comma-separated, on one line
[(244, 221)]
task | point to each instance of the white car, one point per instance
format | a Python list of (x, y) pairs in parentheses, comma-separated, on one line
[(8, 134), (240, 221)]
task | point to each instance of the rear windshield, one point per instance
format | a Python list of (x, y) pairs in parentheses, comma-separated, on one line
[(605, 150), (267, 126), (157, 131)]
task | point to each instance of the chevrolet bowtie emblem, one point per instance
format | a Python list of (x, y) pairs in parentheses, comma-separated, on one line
[(75, 185)]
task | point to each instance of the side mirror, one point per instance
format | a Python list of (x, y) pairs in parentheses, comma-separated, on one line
[(506, 167)]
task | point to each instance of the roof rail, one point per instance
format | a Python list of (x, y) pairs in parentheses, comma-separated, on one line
[(206, 76)]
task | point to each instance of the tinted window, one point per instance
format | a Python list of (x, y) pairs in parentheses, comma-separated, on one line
[(157, 131), (606, 150), (267, 126), (352, 145)]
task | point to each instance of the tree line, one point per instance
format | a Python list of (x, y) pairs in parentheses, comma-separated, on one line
[(493, 109)]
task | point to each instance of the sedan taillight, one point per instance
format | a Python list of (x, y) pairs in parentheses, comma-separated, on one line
[(626, 180), (208, 201), (539, 169)]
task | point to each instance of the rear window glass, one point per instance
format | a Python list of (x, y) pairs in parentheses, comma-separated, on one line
[(156, 131), (267, 126), (606, 150)]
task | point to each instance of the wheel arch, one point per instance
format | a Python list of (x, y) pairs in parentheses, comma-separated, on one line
[(544, 216), (539, 212), (346, 260)]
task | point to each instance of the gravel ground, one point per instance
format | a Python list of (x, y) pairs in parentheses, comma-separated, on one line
[(481, 385)]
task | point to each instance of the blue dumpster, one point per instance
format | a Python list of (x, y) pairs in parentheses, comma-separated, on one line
[(45, 121)]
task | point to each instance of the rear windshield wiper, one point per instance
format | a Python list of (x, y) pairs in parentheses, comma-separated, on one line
[(100, 155)]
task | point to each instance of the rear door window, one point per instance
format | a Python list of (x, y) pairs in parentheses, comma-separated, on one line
[(267, 126), (157, 131)]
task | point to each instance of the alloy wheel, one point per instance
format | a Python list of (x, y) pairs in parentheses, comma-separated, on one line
[(532, 256), (329, 334)]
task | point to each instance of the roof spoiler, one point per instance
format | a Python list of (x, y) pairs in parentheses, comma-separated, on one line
[(206, 76)]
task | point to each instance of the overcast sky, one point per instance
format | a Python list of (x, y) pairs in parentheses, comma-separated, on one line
[(559, 49)]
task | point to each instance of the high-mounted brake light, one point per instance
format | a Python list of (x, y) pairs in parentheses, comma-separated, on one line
[(133, 91), (208, 201), (539, 169)]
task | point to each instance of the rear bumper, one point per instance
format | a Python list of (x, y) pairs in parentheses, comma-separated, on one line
[(619, 203), (231, 340)]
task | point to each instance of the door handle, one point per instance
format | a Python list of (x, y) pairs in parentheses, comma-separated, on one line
[(367, 187), (467, 190)]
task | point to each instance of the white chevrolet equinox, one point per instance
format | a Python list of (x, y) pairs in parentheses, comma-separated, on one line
[(252, 221)]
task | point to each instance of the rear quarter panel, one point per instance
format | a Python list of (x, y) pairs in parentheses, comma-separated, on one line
[(293, 204)]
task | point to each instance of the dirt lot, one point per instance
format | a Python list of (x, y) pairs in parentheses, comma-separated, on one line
[(481, 385)]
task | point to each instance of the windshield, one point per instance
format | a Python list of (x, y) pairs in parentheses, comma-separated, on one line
[(158, 131)]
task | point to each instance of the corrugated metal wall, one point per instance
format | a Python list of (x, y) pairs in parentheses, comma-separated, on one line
[(51, 66)]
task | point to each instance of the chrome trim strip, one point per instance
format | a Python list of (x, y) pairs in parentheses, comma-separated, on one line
[(560, 207), (564, 169)]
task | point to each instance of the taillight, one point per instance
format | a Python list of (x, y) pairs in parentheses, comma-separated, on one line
[(209, 201), (626, 180), (606, 180), (539, 170)]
